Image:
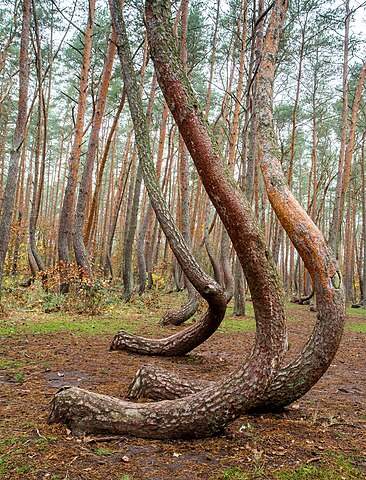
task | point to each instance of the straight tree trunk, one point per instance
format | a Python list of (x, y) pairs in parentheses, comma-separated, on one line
[(66, 220), (93, 214), (335, 225), (18, 138), (81, 253), (363, 201)]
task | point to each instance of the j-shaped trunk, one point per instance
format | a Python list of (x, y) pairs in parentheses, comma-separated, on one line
[(209, 411), (295, 379)]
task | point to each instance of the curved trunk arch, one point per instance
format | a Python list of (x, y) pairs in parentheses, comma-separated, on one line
[(209, 411), (296, 378)]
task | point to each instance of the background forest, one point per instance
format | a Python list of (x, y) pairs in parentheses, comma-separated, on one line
[(319, 119)]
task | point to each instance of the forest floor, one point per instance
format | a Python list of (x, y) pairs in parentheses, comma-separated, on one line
[(322, 436)]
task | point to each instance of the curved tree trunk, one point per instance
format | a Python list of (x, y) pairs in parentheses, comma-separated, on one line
[(185, 311), (246, 239), (295, 379), (207, 412)]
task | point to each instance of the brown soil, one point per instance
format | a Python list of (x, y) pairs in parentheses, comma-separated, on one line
[(330, 418)]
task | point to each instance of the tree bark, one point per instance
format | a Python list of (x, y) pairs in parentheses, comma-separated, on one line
[(81, 253), (335, 225), (209, 411), (295, 379), (7, 206), (68, 205)]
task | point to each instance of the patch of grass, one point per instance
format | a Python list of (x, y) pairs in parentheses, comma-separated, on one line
[(356, 312), (43, 442), (3, 464), (103, 452), (8, 442), (342, 469), (8, 363), (356, 327), (57, 322), (23, 469), (234, 473), (237, 324)]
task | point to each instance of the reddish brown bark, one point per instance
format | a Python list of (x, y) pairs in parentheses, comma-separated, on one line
[(299, 376), (68, 205), (209, 411), (81, 254)]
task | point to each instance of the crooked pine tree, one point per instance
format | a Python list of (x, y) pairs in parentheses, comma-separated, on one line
[(210, 410), (296, 378)]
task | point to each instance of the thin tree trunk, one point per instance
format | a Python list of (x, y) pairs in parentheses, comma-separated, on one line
[(335, 225), (81, 254), (18, 138), (68, 205)]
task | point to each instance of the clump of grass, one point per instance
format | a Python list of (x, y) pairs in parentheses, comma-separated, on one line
[(340, 469), (234, 473), (103, 452)]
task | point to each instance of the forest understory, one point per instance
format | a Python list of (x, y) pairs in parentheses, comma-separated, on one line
[(322, 436)]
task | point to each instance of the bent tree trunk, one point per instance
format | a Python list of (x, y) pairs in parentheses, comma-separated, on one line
[(185, 311), (182, 342), (210, 410), (246, 239), (295, 379)]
